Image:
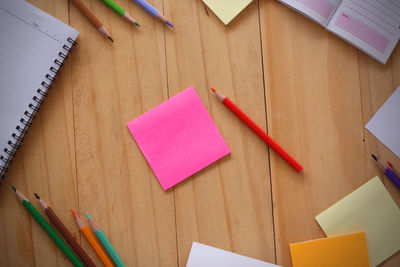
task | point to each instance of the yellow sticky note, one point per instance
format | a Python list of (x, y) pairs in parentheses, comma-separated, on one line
[(368, 209), (227, 10), (344, 251)]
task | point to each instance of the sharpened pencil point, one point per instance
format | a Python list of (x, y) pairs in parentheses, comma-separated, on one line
[(37, 196), (73, 213), (169, 23), (111, 39), (13, 188), (212, 89), (390, 164), (87, 215), (136, 23), (375, 158)]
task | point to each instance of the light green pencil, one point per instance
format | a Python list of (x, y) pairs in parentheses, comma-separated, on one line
[(120, 11), (107, 245), (49, 230)]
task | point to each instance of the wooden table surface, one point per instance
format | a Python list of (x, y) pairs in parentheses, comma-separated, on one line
[(309, 89)]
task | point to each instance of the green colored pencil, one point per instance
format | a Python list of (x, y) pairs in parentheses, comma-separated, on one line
[(50, 231), (107, 245), (120, 11)]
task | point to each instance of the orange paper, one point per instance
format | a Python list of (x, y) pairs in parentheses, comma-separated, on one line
[(344, 251)]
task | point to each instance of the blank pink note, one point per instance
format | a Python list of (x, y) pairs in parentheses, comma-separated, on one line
[(363, 31), (178, 138)]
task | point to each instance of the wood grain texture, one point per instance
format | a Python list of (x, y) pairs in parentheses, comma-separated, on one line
[(314, 108), (114, 83), (87, 13), (312, 91), (377, 84), (227, 205)]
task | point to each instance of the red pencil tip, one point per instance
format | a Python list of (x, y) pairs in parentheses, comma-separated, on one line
[(212, 89), (390, 164), (73, 213)]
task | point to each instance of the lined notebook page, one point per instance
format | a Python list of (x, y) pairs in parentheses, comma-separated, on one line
[(31, 41), (320, 11), (371, 25)]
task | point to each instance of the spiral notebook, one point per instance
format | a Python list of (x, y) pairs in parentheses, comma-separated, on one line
[(33, 48)]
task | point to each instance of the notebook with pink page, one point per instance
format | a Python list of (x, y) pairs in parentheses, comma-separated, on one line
[(178, 138), (372, 26)]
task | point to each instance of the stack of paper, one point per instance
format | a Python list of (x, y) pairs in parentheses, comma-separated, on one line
[(368, 209)]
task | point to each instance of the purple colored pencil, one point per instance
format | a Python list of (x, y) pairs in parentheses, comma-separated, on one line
[(388, 172), (392, 177)]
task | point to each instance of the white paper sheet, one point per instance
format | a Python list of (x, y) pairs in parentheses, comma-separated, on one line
[(206, 256), (385, 124)]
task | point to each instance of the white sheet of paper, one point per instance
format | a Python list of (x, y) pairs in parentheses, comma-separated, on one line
[(203, 255), (385, 124)]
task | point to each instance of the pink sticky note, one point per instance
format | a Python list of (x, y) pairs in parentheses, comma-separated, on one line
[(178, 138)]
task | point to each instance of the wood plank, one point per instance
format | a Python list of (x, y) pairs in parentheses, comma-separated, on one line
[(227, 205), (45, 165), (319, 94), (377, 84), (314, 111), (112, 84)]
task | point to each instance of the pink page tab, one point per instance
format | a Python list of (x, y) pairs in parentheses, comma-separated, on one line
[(322, 7), (362, 31), (178, 138)]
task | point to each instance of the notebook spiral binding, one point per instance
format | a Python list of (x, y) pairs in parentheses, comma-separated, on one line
[(26, 121)]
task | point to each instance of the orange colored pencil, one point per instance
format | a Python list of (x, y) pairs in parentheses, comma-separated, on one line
[(92, 241), (64, 231)]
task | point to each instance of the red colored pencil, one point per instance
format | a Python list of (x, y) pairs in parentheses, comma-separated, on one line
[(263, 135)]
